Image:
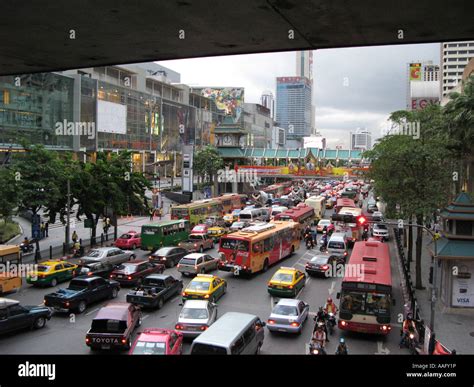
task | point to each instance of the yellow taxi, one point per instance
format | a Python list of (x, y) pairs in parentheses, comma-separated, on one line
[(286, 282), (230, 218), (50, 273), (216, 233), (205, 287)]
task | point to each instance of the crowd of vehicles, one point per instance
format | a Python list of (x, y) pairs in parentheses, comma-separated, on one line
[(250, 239)]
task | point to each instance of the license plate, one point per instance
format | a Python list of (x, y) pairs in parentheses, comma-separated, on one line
[(279, 287), (281, 330), (120, 276), (105, 346)]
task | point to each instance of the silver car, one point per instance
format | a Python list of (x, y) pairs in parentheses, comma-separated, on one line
[(288, 315), (112, 255), (380, 231), (195, 317), (197, 263)]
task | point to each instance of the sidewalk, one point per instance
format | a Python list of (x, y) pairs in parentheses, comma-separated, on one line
[(455, 331)]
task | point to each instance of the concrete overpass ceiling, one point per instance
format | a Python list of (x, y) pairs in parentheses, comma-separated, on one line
[(35, 36)]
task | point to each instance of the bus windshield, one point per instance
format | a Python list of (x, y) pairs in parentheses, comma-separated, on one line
[(234, 244), (374, 304), (180, 212)]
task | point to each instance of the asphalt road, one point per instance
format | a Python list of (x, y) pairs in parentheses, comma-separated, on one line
[(65, 334)]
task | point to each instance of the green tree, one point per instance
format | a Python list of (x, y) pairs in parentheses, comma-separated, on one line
[(207, 161), (8, 193)]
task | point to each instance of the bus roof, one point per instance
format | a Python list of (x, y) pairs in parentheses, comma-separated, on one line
[(351, 211), (162, 223), (260, 231), (197, 203), (345, 202), (373, 260), (295, 212), (9, 249)]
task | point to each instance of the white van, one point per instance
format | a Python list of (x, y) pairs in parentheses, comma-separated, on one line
[(233, 334), (254, 214), (338, 244)]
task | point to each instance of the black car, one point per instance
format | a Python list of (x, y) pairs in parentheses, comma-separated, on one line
[(81, 292), (169, 256), (324, 264), (14, 316), (94, 268)]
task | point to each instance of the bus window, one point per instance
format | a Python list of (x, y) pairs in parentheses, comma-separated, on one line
[(227, 243), (258, 247), (353, 302), (377, 303), (268, 244)]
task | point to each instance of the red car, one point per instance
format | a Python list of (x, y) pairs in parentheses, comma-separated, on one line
[(132, 273), (156, 341), (129, 241), (200, 229)]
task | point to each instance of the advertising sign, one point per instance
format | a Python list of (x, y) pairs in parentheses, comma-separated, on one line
[(421, 103), (415, 71), (463, 285), (111, 117)]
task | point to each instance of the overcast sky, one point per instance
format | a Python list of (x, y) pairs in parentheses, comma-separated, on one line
[(376, 82)]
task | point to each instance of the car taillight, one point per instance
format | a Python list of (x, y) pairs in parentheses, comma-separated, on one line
[(66, 303), (112, 275), (206, 296), (295, 324), (90, 273), (271, 322), (290, 287), (269, 284), (179, 327), (203, 328), (195, 245), (87, 340), (129, 277), (178, 265), (345, 252), (343, 323), (195, 267), (124, 341), (324, 267)]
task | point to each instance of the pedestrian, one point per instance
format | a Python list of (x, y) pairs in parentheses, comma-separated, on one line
[(46, 229), (74, 236), (152, 213), (42, 230)]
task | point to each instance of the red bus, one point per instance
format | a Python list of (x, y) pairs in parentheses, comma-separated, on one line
[(279, 189), (344, 202), (255, 248), (366, 290), (301, 214), (232, 201)]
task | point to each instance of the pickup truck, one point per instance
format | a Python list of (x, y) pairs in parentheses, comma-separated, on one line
[(113, 326), (197, 243), (155, 290), (81, 292)]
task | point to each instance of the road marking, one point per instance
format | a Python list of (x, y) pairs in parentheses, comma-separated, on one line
[(271, 303), (381, 350), (145, 317), (174, 299), (92, 311), (299, 264), (331, 289)]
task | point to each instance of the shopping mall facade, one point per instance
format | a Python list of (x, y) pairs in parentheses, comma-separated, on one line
[(140, 107)]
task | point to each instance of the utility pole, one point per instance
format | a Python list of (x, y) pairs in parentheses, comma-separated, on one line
[(68, 215)]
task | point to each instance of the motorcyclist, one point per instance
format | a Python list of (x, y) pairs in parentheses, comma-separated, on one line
[(25, 245), (342, 347), (408, 327), (365, 235), (321, 319), (76, 248), (330, 306), (308, 238), (319, 337)]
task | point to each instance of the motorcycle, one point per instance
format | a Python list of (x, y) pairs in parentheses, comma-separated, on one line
[(309, 241), (26, 249), (341, 351), (331, 322), (411, 343), (323, 247), (316, 349)]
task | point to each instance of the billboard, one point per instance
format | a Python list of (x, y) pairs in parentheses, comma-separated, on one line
[(228, 99), (415, 71), (314, 142), (421, 103), (111, 117)]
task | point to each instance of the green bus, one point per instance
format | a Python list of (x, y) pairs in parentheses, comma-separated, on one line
[(197, 211), (164, 233)]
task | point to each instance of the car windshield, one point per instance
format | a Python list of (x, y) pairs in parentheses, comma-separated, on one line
[(324, 222), (198, 286), (199, 228), (320, 260), (149, 348), (237, 224), (195, 237), (158, 283), (283, 277), (234, 244), (125, 236), (285, 310), (128, 269), (336, 245), (366, 303), (95, 253), (193, 313), (162, 252), (43, 268), (380, 227)]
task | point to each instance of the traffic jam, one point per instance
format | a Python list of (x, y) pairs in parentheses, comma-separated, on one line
[(208, 270)]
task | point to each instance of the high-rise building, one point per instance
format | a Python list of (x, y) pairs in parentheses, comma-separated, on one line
[(258, 123), (454, 58), (293, 106), (268, 101), (361, 140), (304, 68), (422, 84)]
